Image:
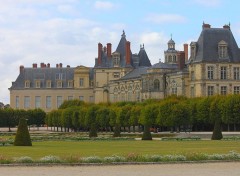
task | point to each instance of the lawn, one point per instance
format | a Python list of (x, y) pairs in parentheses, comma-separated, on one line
[(108, 148)]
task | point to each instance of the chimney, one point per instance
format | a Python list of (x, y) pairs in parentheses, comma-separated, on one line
[(21, 68), (109, 50), (181, 60), (206, 26), (60, 65), (56, 65), (185, 46), (226, 27), (34, 65), (128, 53), (42, 65), (99, 54), (68, 66), (48, 65)]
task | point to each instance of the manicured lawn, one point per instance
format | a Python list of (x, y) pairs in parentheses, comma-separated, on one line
[(108, 148)]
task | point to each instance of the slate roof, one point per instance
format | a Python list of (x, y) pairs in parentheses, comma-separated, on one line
[(136, 73), (143, 58), (162, 65), (45, 74), (207, 45)]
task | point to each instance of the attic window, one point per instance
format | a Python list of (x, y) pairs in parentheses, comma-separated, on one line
[(193, 49), (116, 59), (27, 84), (48, 83), (222, 49), (37, 83)]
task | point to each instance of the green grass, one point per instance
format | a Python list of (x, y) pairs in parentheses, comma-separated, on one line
[(108, 148)]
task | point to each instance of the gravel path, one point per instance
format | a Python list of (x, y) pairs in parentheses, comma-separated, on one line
[(185, 169)]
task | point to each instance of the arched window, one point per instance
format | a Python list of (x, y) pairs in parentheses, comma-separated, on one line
[(156, 84), (169, 58)]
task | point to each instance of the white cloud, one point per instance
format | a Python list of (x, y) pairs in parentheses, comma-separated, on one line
[(103, 5), (165, 18), (208, 3)]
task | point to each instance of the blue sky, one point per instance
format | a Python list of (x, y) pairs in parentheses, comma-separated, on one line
[(68, 31)]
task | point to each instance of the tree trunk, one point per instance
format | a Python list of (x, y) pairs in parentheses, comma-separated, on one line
[(133, 128)]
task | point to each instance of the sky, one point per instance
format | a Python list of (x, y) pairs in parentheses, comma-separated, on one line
[(68, 31)]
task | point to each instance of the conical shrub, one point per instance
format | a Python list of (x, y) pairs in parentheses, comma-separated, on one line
[(217, 132), (22, 137)]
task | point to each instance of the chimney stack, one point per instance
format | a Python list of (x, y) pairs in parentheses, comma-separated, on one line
[(21, 68), (99, 54), (60, 65), (34, 65), (181, 60), (185, 46), (128, 53), (48, 65), (42, 65), (109, 50), (226, 27), (68, 66), (206, 26), (56, 65)]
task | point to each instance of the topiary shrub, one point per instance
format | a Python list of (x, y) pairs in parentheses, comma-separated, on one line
[(93, 130), (146, 133), (22, 137), (117, 131), (217, 132)]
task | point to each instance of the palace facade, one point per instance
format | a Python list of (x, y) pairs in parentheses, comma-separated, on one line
[(212, 68)]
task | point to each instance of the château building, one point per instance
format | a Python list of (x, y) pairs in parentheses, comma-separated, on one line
[(212, 68)]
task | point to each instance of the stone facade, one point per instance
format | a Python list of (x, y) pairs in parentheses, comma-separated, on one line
[(212, 68)]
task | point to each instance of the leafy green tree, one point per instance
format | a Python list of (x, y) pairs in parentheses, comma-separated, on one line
[(22, 137), (103, 118), (71, 103), (66, 118), (9, 117), (91, 120), (124, 116), (114, 121), (135, 116)]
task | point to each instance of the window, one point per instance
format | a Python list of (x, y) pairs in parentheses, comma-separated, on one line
[(17, 102), (27, 84), (174, 59), (26, 102), (91, 99), (38, 84), (70, 84), (174, 90), (138, 95), (116, 75), (59, 84), (210, 90), (192, 92), (222, 49), (81, 98), (156, 85), (116, 60), (193, 49), (236, 89), (49, 84), (70, 97), (170, 58), (192, 76), (223, 90), (236, 74), (81, 82), (59, 101), (223, 72), (210, 72), (60, 76), (37, 102), (48, 102)]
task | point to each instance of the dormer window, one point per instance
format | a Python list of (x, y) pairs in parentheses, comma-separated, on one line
[(193, 49), (222, 49), (116, 59), (27, 84), (37, 83), (59, 84), (48, 84)]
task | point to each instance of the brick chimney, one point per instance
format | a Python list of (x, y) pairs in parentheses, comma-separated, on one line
[(56, 65), (128, 53), (185, 46), (34, 65), (21, 68), (48, 65), (206, 26), (68, 66), (42, 65), (109, 50), (226, 27), (99, 54), (181, 60), (60, 65)]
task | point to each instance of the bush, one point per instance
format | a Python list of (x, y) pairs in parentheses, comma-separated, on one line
[(50, 159), (22, 137), (24, 159)]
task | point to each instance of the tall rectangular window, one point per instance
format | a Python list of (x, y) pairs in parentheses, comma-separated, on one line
[(48, 84), (236, 74), (223, 72), (210, 90), (81, 82), (91, 99), (236, 89), (37, 83), (26, 102), (81, 98), (59, 101), (17, 102), (210, 72), (37, 102), (223, 90), (174, 90), (48, 102), (192, 76), (192, 92)]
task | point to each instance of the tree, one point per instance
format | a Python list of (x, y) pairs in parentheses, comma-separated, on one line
[(66, 118), (91, 120), (103, 118), (22, 137), (124, 116), (114, 121), (135, 116), (71, 103)]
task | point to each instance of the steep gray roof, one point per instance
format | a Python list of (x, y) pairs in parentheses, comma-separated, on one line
[(135, 73), (162, 65), (207, 46), (44, 74), (143, 58)]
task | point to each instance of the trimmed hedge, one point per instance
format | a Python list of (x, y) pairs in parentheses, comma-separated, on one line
[(22, 137)]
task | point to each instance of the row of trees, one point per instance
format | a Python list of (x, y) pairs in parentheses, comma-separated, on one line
[(10, 117), (172, 113)]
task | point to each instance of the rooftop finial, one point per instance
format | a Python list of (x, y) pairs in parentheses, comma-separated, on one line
[(123, 35), (143, 45), (171, 36)]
